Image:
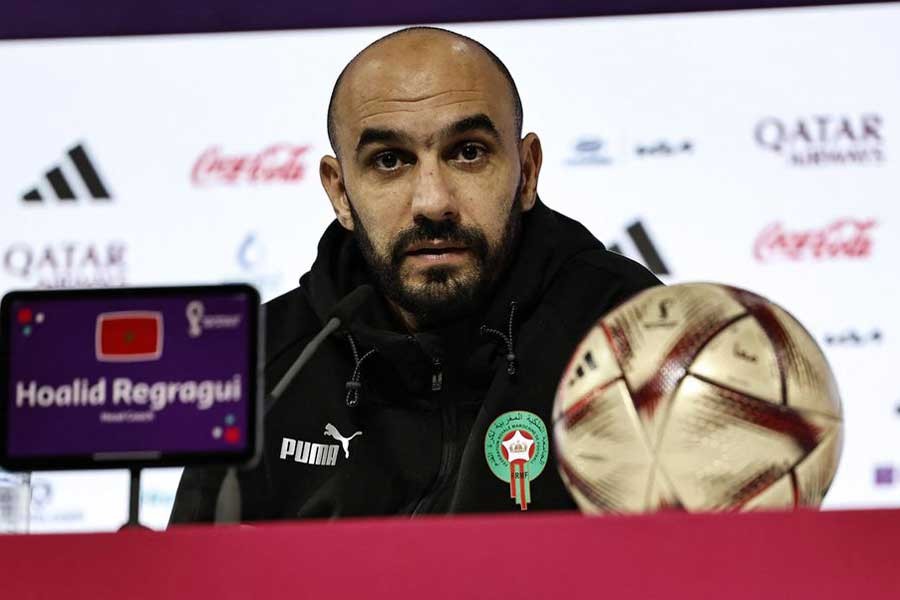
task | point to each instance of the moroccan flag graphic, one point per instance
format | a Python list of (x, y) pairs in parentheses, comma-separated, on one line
[(131, 336)]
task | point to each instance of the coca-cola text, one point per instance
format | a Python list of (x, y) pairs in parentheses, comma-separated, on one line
[(843, 238), (279, 162)]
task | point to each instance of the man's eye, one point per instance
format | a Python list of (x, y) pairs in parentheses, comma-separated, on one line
[(470, 152), (386, 161)]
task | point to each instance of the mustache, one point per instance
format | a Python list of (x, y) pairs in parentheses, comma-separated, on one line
[(425, 230)]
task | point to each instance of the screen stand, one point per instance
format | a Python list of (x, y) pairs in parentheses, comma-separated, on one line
[(134, 501)]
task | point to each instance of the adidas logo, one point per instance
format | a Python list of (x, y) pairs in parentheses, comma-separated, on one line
[(60, 184), (649, 255)]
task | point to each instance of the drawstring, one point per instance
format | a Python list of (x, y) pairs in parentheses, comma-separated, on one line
[(354, 385), (508, 340)]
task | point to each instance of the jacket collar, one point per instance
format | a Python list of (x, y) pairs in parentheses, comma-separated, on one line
[(548, 240)]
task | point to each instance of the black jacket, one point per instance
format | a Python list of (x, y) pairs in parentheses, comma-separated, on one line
[(423, 403)]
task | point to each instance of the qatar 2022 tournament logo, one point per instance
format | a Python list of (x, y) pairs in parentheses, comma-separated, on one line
[(824, 139), (254, 266)]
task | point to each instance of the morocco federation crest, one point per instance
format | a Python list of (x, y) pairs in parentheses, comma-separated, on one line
[(516, 448)]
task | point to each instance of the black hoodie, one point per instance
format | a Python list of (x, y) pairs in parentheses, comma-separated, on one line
[(423, 403)]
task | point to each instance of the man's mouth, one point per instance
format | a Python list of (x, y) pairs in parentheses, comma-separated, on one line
[(437, 251)]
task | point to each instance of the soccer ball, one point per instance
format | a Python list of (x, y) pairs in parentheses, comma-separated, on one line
[(697, 397)]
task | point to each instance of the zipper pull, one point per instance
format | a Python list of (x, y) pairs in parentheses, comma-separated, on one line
[(437, 377)]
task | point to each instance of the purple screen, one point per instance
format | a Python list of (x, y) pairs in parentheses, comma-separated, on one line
[(117, 375)]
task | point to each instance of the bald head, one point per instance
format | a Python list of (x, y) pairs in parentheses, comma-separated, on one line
[(431, 173), (411, 52)]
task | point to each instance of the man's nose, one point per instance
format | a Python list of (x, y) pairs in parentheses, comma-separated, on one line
[(433, 197)]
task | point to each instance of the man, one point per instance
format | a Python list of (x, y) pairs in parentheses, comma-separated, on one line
[(437, 398)]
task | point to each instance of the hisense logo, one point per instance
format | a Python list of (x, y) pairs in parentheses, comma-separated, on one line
[(75, 177)]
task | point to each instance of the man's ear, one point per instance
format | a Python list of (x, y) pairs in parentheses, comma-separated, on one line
[(333, 181), (531, 156)]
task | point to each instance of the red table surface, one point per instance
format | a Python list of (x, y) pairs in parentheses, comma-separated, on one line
[(846, 555)]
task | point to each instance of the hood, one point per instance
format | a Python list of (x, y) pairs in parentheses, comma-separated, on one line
[(548, 241)]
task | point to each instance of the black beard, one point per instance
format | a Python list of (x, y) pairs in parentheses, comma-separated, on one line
[(447, 295)]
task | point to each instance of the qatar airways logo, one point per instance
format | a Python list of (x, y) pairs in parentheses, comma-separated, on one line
[(824, 139), (66, 264), (845, 238), (279, 163)]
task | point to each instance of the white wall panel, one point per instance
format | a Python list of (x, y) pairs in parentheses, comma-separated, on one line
[(146, 109)]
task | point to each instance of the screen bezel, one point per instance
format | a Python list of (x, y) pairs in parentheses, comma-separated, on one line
[(246, 457)]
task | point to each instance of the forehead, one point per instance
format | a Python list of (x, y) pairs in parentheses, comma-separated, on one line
[(419, 84)]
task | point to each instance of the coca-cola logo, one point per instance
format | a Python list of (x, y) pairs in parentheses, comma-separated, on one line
[(277, 163), (824, 139), (844, 238), (67, 264)]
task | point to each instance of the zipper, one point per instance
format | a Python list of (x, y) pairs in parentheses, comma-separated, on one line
[(437, 376), (448, 448), (448, 456)]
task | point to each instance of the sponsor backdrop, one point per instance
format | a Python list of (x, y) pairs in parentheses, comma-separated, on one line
[(755, 148)]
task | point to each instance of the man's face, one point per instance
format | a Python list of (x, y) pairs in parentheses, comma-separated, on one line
[(465, 265), (431, 176)]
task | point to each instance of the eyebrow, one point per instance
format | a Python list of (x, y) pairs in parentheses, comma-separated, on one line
[(479, 122), (371, 135)]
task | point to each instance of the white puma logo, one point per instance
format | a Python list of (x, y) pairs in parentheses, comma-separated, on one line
[(331, 431)]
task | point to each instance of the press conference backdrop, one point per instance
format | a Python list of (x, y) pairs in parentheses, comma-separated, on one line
[(755, 148)]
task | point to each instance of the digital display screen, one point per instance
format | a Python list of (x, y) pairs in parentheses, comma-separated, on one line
[(119, 377)]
